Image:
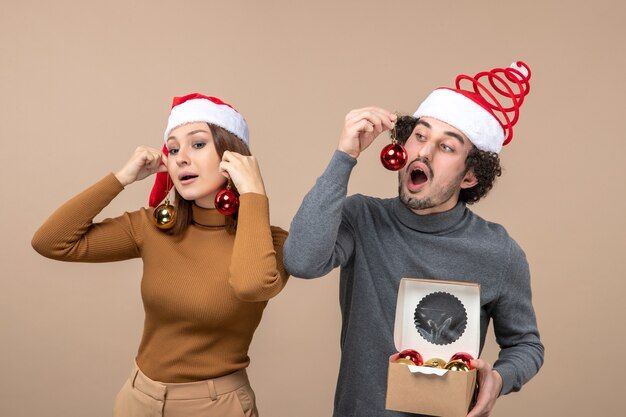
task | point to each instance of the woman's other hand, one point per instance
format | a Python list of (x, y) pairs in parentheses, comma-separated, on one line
[(144, 162), (243, 171)]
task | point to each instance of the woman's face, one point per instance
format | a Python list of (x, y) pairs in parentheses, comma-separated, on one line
[(193, 163)]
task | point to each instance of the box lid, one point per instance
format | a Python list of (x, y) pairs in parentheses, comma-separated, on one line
[(437, 318)]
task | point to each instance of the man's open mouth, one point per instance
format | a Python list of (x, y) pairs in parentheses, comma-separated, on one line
[(418, 176)]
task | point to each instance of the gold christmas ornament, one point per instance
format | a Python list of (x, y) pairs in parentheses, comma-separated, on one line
[(457, 365), (404, 361), (165, 215), (435, 363)]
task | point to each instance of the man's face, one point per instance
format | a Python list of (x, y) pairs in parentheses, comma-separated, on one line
[(436, 173)]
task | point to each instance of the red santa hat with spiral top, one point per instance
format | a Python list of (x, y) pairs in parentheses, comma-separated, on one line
[(197, 108), (485, 114)]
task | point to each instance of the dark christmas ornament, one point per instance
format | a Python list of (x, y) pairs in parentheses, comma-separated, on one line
[(165, 215)]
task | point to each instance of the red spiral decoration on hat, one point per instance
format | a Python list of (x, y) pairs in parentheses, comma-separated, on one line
[(502, 81)]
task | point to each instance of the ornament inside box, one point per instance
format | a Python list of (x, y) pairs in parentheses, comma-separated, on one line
[(438, 319)]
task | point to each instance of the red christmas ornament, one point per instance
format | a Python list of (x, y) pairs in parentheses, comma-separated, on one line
[(463, 356), (227, 202), (409, 354), (393, 156)]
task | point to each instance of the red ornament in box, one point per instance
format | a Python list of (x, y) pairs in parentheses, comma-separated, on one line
[(410, 354), (463, 356)]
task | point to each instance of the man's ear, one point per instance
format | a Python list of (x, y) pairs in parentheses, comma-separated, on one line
[(469, 180)]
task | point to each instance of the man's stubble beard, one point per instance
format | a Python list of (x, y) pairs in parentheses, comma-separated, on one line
[(414, 203)]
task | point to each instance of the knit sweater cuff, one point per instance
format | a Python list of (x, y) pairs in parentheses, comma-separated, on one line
[(259, 202), (111, 181), (339, 168), (507, 372)]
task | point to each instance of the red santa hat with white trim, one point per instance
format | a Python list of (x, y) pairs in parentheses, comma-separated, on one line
[(479, 112), (192, 108)]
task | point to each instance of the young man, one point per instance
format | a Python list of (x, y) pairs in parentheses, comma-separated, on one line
[(452, 142)]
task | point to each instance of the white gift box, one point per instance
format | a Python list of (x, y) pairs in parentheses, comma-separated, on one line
[(437, 319)]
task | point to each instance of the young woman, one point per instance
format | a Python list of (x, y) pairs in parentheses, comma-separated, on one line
[(206, 280)]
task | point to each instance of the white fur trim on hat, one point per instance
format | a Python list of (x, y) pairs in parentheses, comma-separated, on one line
[(203, 110), (455, 109)]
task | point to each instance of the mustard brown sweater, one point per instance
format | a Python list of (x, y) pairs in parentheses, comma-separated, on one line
[(203, 292)]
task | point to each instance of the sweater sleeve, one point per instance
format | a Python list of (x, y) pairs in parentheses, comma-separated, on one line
[(70, 235), (257, 272), (515, 326), (319, 239)]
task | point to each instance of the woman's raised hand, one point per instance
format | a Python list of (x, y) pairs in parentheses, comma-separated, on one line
[(243, 171), (144, 162)]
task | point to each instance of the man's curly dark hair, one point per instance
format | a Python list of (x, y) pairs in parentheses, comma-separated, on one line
[(486, 168), (484, 164)]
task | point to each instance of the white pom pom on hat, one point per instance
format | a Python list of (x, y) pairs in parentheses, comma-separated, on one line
[(475, 112)]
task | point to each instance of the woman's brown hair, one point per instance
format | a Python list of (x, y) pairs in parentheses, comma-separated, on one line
[(224, 141)]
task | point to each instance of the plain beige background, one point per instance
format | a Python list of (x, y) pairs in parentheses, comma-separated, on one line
[(83, 83)]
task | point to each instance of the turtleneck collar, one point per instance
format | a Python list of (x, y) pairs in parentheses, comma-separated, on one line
[(430, 223), (208, 217)]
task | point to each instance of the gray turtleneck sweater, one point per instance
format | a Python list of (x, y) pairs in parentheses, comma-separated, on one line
[(379, 241)]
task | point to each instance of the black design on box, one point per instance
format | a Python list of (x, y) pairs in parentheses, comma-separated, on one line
[(440, 318)]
